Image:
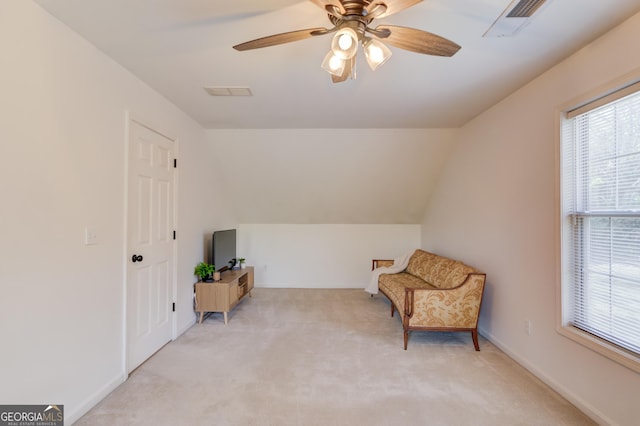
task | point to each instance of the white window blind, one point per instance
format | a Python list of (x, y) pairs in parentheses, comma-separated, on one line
[(601, 223)]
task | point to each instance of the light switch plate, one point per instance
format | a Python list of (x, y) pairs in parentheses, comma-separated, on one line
[(90, 236)]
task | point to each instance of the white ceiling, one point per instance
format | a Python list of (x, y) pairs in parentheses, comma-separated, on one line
[(178, 47)]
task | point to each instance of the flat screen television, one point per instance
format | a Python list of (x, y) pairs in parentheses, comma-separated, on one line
[(223, 249)]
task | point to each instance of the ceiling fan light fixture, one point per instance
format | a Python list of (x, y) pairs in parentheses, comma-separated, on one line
[(345, 43), (376, 53), (333, 64), (351, 21)]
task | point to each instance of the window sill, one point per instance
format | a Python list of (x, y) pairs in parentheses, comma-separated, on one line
[(602, 347)]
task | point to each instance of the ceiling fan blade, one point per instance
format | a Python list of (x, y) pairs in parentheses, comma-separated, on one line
[(393, 6), (282, 38), (348, 68), (340, 79), (418, 41)]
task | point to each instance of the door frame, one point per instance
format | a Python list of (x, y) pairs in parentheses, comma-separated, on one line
[(149, 124)]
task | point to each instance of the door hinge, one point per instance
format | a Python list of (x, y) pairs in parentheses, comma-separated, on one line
[(175, 163), (173, 307), (174, 235)]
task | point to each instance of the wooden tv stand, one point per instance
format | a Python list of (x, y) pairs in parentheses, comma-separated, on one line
[(223, 295)]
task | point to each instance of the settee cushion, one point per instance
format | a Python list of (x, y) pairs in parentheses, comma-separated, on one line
[(438, 271), (393, 285)]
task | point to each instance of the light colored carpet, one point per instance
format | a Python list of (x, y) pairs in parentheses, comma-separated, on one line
[(327, 357)]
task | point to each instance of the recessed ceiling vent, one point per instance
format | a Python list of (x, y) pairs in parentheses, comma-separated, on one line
[(515, 17), (228, 91), (525, 8)]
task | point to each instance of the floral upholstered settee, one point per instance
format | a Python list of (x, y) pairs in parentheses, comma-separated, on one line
[(434, 293)]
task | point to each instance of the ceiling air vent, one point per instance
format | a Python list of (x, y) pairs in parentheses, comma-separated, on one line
[(228, 91), (525, 8), (515, 17)]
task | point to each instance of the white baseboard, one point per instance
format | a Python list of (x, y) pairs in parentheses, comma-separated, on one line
[(91, 401), (583, 406), (187, 326), (86, 405)]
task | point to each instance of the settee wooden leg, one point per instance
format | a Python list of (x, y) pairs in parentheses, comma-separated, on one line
[(474, 336), (406, 339)]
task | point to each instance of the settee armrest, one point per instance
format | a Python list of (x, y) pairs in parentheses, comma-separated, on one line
[(457, 307), (377, 263)]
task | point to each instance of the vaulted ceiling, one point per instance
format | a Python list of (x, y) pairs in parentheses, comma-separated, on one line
[(310, 153), (179, 47), (346, 176)]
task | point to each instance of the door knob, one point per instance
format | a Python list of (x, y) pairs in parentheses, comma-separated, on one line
[(136, 258)]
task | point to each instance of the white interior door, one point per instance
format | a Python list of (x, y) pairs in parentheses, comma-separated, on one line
[(150, 248)]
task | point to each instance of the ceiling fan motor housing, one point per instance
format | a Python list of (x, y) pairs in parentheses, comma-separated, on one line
[(351, 20), (353, 11)]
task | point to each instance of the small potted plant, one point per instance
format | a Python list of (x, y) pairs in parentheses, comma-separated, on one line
[(242, 261), (205, 271)]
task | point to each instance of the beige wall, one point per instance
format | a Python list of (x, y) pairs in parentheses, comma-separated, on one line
[(496, 207), (62, 121)]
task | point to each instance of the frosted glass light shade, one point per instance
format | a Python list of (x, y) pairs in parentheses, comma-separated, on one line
[(333, 64), (345, 43), (376, 53)]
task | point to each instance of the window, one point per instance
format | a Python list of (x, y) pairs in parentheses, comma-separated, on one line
[(600, 160)]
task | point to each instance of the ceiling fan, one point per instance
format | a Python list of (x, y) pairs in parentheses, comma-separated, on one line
[(351, 21)]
